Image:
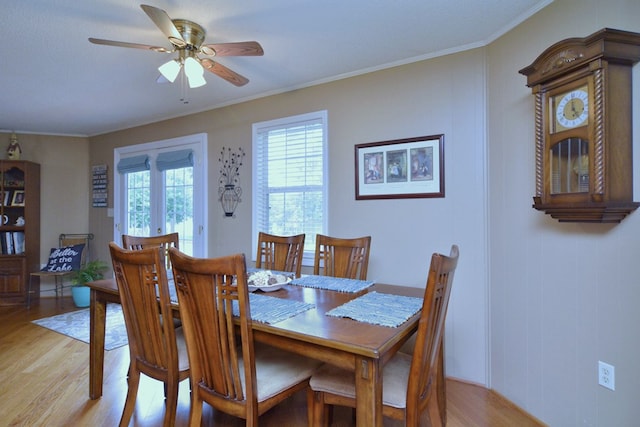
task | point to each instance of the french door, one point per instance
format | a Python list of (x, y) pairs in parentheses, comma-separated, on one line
[(160, 188)]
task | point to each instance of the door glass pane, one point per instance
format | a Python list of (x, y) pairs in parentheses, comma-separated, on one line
[(138, 192), (178, 210)]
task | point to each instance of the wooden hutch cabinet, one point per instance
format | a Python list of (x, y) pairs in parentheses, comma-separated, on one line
[(19, 228)]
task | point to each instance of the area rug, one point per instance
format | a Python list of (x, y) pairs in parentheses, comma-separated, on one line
[(75, 324)]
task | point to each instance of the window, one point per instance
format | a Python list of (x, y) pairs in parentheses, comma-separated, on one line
[(290, 178)]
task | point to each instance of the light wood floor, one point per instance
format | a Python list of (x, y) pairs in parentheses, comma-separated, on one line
[(44, 382)]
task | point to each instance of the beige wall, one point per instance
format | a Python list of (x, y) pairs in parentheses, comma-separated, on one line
[(65, 184), (563, 296), (446, 96)]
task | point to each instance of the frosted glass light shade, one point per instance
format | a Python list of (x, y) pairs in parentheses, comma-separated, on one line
[(194, 72), (170, 70)]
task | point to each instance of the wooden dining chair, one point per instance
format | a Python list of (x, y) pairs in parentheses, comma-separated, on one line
[(282, 253), (166, 241), (338, 257), (156, 348), (229, 371), (411, 384)]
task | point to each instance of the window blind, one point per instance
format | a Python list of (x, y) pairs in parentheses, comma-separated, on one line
[(174, 160), (134, 164)]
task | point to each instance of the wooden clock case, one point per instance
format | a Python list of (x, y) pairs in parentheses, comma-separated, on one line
[(601, 65)]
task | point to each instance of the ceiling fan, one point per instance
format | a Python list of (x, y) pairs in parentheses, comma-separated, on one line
[(187, 39)]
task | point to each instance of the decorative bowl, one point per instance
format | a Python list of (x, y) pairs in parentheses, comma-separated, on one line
[(271, 287), (266, 281)]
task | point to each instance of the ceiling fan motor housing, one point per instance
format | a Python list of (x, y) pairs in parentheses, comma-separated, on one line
[(192, 33)]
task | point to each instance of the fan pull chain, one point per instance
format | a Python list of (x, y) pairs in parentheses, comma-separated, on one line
[(184, 87)]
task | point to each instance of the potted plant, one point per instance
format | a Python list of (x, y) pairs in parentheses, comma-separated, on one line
[(93, 270)]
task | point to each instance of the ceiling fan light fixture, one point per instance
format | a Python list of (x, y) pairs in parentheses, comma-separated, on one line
[(197, 82), (187, 38), (170, 70), (194, 72)]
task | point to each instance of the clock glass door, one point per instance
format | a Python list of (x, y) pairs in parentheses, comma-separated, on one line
[(569, 166)]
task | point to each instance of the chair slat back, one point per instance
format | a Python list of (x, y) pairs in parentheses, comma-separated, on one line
[(206, 293), (144, 292), (282, 253), (430, 330), (339, 257), (165, 241)]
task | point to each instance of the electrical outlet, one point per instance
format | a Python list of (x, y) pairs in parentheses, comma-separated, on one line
[(606, 375)]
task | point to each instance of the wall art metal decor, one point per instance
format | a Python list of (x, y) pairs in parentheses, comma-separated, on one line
[(401, 168), (229, 190)]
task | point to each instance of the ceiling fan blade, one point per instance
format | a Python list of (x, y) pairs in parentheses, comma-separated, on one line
[(224, 72), (126, 44), (233, 49), (162, 21)]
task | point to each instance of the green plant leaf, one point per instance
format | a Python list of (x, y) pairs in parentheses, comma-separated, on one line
[(93, 270)]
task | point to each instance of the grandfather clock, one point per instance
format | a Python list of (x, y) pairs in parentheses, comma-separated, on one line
[(583, 123)]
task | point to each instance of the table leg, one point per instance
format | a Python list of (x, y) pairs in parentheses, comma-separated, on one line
[(97, 322), (368, 393)]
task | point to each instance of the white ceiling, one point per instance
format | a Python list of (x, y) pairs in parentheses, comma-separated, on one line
[(53, 81)]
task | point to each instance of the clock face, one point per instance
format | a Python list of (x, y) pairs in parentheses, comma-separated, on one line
[(572, 109)]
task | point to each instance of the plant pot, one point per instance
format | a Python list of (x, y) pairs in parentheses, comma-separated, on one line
[(81, 296)]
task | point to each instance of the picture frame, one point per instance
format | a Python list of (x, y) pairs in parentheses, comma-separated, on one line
[(400, 169), (18, 198)]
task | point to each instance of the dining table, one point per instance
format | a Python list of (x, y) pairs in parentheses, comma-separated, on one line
[(361, 347)]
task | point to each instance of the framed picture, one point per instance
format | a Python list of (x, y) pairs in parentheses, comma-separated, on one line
[(18, 198), (402, 168)]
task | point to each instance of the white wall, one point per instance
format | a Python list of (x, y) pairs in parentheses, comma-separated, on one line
[(563, 296)]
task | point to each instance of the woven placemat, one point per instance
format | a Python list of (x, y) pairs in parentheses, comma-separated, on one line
[(332, 283), (270, 310), (379, 309)]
